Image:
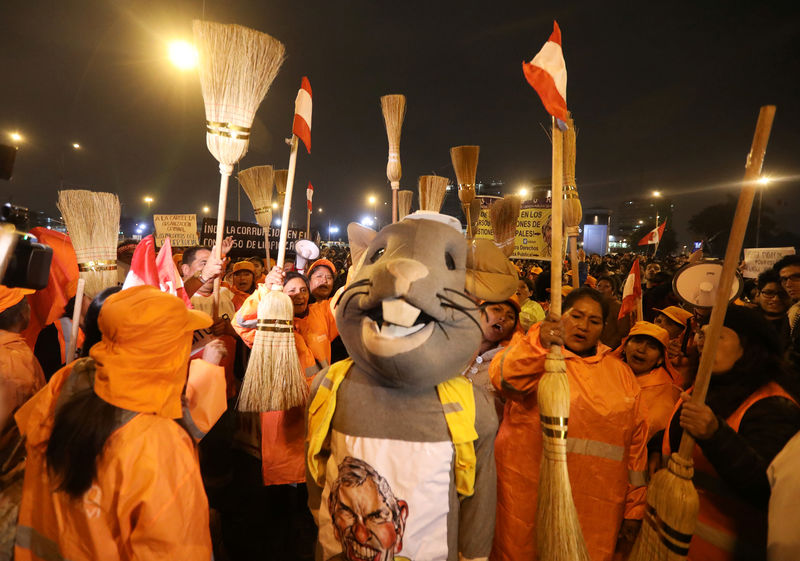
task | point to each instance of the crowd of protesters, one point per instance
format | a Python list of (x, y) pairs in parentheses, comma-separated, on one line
[(122, 461)]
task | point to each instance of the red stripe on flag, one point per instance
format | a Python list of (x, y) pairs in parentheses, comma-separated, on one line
[(545, 86), (300, 130), (632, 291)]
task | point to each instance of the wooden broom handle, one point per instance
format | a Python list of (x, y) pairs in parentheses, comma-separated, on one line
[(573, 256), (752, 171), (395, 187), (287, 205), (76, 322), (556, 220), (225, 172)]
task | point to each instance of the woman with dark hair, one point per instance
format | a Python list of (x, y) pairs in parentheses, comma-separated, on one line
[(110, 474), (606, 447), (91, 329), (750, 414)]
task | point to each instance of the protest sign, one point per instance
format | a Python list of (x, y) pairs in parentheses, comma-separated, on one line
[(248, 238), (533, 229), (181, 229), (757, 260)]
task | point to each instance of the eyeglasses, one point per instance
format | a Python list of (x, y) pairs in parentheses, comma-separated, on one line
[(790, 278)]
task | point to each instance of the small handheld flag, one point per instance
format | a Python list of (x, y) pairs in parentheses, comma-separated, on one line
[(547, 74), (632, 291), (309, 195), (655, 235), (301, 127)]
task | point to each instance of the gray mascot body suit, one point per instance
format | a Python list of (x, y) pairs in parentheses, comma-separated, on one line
[(400, 446)]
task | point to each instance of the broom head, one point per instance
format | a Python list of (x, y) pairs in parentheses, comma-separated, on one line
[(394, 111), (274, 380), (257, 183), (558, 531), (432, 189), (503, 215), (573, 211), (404, 200), (281, 177), (671, 517), (237, 66), (92, 221), (465, 164)]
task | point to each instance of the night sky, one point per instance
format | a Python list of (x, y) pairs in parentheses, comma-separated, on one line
[(665, 96)]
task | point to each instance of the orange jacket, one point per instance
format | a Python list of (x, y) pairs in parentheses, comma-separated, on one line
[(606, 447), (20, 374), (148, 500), (659, 395), (728, 527)]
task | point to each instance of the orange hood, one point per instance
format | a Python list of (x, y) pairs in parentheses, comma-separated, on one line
[(143, 356)]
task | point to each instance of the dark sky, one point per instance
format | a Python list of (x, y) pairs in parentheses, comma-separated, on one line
[(665, 96)]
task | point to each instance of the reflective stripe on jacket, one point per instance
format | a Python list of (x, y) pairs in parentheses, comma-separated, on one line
[(728, 527), (458, 404)]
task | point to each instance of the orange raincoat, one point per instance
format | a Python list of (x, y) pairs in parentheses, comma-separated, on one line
[(283, 432), (147, 501), (606, 447)]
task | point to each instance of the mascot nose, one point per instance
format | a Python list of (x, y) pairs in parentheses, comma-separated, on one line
[(406, 271)]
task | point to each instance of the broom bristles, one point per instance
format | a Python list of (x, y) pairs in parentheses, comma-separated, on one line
[(573, 210), (394, 111), (281, 177), (465, 164), (92, 221), (432, 189), (503, 216), (274, 380), (672, 507), (257, 184), (237, 66), (558, 531), (404, 200)]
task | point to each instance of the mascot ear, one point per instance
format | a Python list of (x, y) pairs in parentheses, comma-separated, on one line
[(490, 275), (359, 237)]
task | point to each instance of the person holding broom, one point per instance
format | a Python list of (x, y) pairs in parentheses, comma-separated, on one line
[(606, 446), (750, 414)]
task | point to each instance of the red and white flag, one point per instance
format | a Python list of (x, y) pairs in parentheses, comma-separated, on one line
[(159, 271), (301, 127), (654, 236), (309, 195), (547, 74), (169, 280), (631, 291)]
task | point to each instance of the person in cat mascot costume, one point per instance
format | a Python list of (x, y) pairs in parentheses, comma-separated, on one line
[(400, 445)]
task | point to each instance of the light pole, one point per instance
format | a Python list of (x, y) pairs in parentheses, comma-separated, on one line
[(373, 200)]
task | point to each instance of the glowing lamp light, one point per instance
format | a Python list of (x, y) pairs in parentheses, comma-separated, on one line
[(275, 206), (206, 210), (15, 136), (182, 54), (656, 194), (333, 230), (76, 146), (367, 221), (763, 180), (523, 192), (277, 221), (372, 200)]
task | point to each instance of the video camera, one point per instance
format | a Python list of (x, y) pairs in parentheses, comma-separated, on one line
[(24, 262)]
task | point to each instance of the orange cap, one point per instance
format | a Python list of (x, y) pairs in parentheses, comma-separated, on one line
[(12, 296), (591, 281), (676, 314), (244, 266), (659, 334), (143, 357), (321, 263)]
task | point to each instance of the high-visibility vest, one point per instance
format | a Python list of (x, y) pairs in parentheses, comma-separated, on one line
[(728, 527), (458, 404)]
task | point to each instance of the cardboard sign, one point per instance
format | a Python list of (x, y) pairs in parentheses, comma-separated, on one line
[(181, 229), (533, 230), (248, 238), (758, 260)]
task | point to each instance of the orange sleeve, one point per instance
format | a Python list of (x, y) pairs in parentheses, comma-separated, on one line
[(205, 393), (515, 371), (244, 322), (637, 464)]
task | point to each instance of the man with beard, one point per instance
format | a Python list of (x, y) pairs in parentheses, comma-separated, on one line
[(368, 520)]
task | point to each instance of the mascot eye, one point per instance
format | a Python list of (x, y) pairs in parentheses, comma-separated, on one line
[(377, 255), (449, 261)]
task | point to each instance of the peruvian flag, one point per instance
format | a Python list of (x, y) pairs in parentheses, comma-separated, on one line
[(632, 291), (169, 280), (547, 74), (309, 195), (655, 235), (159, 271), (301, 127)]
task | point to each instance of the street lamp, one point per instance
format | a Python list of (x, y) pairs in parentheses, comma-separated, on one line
[(274, 206), (182, 54), (656, 194), (149, 200), (523, 192), (15, 136), (76, 146), (206, 210), (373, 200)]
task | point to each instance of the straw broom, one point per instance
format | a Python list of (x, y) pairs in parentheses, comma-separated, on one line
[(465, 164), (404, 199), (573, 211), (672, 501), (503, 216), (257, 184), (274, 380), (92, 221), (558, 531), (432, 189), (237, 66), (394, 111)]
